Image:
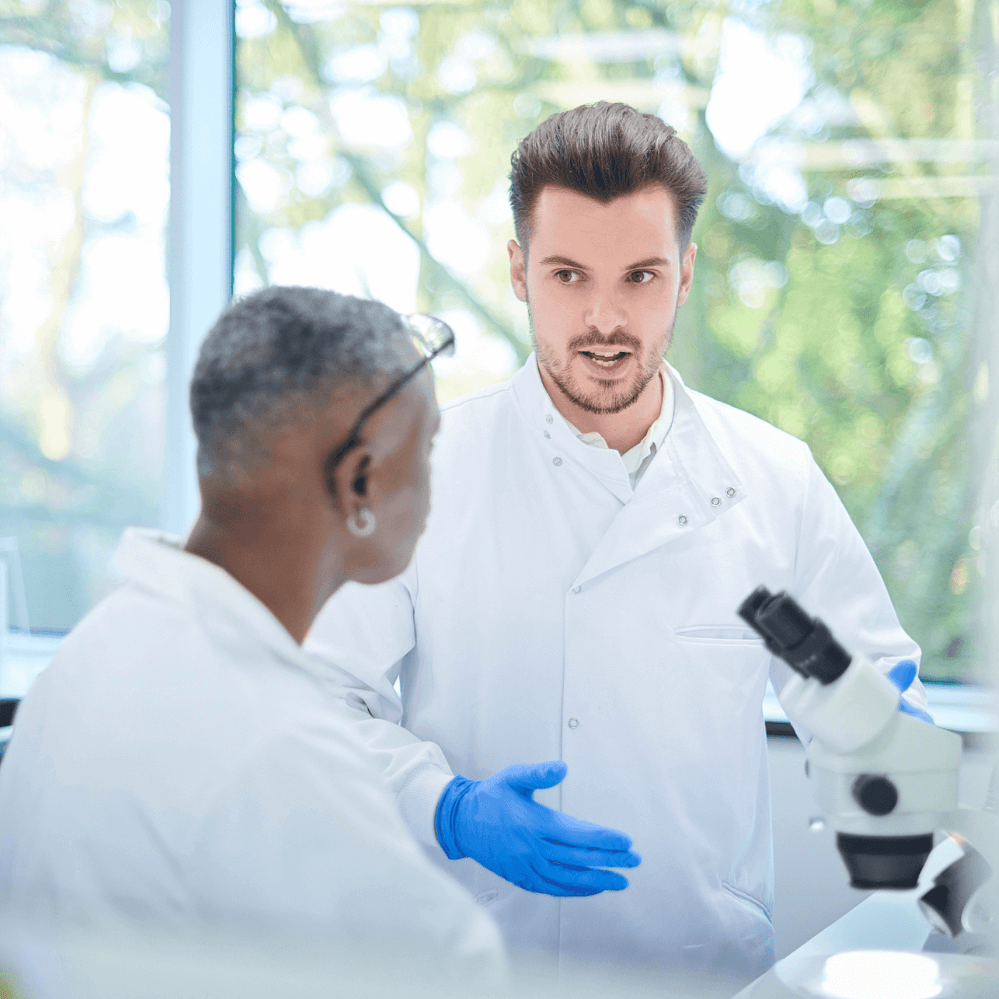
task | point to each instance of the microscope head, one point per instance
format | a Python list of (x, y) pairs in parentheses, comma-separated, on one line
[(882, 778)]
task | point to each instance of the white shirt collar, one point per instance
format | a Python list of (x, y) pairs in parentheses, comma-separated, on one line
[(690, 451), (637, 459)]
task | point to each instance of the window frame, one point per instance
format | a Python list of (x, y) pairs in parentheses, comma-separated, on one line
[(200, 256)]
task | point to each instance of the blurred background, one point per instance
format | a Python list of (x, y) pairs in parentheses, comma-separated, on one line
[(845, 282)]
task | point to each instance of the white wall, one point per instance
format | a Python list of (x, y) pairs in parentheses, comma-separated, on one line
[(812, 888)]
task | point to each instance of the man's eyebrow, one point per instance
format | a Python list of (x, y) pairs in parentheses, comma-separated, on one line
[(564, 261), (649, 262), (567, 262)]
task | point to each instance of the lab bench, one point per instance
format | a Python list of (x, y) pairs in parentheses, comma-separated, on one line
[(954, 706), (960, 708), (887, 921)]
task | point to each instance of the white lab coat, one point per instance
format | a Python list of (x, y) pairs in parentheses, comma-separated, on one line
[(553, 612), (179, 763)]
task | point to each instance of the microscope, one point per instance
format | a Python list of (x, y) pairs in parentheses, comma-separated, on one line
[(885, 781)]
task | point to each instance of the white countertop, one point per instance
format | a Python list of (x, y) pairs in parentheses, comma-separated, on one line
[(885, 921)]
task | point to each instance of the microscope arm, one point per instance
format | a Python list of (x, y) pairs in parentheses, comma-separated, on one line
[(964, 895)]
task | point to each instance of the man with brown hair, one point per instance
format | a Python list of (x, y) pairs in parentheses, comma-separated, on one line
[(595, 526)]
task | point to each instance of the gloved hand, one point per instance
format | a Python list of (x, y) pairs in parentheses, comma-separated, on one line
[(498, 823), (902, 674)]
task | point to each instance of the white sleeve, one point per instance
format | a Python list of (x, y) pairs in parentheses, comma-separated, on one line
[(835, 579), (361, 637), (302, 839)]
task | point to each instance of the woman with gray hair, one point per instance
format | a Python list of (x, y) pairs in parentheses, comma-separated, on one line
[(181, 760)]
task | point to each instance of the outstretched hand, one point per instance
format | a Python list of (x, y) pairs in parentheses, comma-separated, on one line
[(498, 823)]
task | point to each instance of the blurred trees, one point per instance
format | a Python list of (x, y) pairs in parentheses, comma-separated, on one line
[(844, 282), (846, 274), (84, 147)]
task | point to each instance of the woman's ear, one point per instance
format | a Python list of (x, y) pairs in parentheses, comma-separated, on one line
[(359, 485), (347, 482)]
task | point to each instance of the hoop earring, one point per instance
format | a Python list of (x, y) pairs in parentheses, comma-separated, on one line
[(362, 524)]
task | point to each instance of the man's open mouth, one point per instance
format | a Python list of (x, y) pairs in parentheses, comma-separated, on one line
[(605, 356)]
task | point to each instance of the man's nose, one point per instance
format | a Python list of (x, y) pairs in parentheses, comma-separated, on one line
[(604, 312)]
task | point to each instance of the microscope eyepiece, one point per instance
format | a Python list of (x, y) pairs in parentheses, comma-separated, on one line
[(786, 622), (803, 642), (749, 607)]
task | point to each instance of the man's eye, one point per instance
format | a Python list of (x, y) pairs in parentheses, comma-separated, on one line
[(567, 277), (641, 277)]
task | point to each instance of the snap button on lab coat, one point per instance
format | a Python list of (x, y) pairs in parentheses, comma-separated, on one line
[(548, 435), (556, 461), (715, 501), (730, 491), (681, 520), (549, 418), (573, 723), (576, 589)]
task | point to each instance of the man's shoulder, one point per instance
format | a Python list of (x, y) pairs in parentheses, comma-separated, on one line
[(741, 434), (475, 419), (480, 404)]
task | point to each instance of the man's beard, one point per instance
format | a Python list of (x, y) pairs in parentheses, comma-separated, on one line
[(603, 402)]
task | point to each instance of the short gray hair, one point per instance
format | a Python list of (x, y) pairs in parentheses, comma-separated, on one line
[(277, 349)]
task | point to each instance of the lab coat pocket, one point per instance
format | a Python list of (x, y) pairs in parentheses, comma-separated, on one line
[(721, 634), (726, 663)]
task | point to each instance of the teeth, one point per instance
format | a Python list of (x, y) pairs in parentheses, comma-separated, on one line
[(603, 358)]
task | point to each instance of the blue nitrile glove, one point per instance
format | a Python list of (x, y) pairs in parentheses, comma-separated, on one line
[(498, 823), (902, 674)]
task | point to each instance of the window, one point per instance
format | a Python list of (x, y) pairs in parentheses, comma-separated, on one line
[(847, 247), (839, 289), (84, 196)]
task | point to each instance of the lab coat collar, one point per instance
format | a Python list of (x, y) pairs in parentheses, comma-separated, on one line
[(548, 424), (687, 485), (157, 562)]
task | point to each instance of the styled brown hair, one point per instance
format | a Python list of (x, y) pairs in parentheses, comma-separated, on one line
[(603, 151)]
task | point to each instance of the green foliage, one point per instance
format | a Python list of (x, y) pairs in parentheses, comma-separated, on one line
[(879, 388), (861, 322), (67, 500), (825, 329)]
